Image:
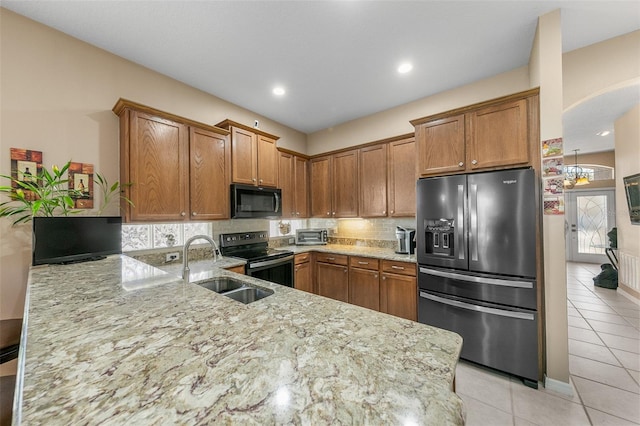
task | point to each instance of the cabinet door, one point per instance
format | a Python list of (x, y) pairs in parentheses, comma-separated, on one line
[(244, 156), (301, 187), (373, 181), (286, 183), (345, 184), (210, 166), (497, 136), (402, 178), (321, 187), (332, 281), (364, 288), (441, 146), (267, 169), (398, 296), (158, 168), (302, 278)]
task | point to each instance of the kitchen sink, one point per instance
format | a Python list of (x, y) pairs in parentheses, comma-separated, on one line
[(221, 285), (236, 290), (247, 295)]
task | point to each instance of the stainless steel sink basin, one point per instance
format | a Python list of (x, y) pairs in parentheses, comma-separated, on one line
[(236, 290), (247, 295), (222, 284)]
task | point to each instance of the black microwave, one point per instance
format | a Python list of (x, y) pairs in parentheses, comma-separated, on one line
[(254, 201)]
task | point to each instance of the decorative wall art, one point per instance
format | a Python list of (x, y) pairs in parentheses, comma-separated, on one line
[(553, 176), (26, 165), (81, 180)]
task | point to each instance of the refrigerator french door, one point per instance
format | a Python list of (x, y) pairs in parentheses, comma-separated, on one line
[(476, 250)]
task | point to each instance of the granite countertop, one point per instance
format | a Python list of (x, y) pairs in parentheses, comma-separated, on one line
[(351, 250), (117, 341)]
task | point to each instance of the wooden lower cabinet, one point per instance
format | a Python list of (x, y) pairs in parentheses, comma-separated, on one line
[(332, 281), (398, 290), (236, 269), (364, 288), (302, 273)]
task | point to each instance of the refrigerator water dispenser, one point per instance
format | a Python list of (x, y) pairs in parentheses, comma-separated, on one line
[(439, 237)]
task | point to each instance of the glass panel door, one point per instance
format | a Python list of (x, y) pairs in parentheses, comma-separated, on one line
[(590, 216)]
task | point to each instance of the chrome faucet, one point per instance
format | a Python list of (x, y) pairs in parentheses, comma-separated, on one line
[(185, 254)]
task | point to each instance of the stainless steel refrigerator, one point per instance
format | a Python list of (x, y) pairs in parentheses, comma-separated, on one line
[(476, 250)]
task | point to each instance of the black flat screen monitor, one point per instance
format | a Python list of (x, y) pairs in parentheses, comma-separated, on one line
[(632, 190), (71, 239)]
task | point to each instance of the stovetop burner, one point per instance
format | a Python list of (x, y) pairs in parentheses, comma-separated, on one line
[(252, 246)]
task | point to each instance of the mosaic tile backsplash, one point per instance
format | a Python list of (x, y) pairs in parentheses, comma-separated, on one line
[(373, 232)]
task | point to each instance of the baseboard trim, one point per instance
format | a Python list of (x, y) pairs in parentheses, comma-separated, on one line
[(558, 386)]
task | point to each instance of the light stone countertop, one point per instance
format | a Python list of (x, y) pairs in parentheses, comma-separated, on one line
[(119, 342), (351, 250)]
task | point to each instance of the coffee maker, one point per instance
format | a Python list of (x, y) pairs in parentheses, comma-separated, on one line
[(406, 240)]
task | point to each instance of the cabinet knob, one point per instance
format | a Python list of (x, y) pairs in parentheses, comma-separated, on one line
[(474, 162), (296, 269), (297, 213), (461, 164), (384, 278), (345, 270), (328, 213), (253, 179), (183, 214), (375, 275), (384, 212), (334, 213), (260, 180), (392, 211), (194, 213)]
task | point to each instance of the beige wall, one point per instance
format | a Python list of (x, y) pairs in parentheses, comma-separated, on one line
[(57, 95), (600, 68), (395, 121), (627, 130), (546, 64)]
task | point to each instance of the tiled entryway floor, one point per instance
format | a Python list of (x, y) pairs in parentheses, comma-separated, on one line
[(604, 362)]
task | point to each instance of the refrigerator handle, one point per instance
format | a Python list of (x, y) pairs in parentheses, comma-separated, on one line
[(483, 309), (473, 219), (459, 228)]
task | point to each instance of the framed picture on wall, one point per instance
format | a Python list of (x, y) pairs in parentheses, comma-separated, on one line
[(26, 166), (81, 181)]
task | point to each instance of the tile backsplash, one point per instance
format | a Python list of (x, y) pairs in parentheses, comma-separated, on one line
[(166, 235)]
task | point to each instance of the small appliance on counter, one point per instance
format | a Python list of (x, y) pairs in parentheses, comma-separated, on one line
[(406, 240), (316, 236)]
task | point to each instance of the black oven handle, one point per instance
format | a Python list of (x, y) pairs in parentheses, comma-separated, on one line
[(270, 262)]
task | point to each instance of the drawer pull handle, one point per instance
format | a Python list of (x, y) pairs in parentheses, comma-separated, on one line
[(331, 258), (397, 267), (363, 263)]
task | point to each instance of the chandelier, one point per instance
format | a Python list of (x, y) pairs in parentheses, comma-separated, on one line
[(575, 176)]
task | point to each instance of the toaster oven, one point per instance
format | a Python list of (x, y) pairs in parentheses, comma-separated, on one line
[(311, 236)]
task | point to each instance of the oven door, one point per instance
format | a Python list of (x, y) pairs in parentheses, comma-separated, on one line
[(279, 271)]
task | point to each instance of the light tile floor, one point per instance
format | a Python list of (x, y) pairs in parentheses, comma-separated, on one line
[(604, 362)]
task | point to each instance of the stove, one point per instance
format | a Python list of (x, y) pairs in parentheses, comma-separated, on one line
[(262, 262)]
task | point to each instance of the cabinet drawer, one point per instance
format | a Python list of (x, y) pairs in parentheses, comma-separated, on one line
[(302, 258), (363, 262), (337, 259), (236, 269), (403, 268)]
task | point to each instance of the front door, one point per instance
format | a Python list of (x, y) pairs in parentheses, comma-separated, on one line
[(590, 216)]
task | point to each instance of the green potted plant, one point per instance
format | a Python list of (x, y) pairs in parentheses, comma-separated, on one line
[(48, 195)]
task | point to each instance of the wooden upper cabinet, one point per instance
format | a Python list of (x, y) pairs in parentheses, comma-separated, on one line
[(267, 170), (157, 166), (301, 186), (497, 135), (285, 183), (210, 167), (178, 168), (321, 186), (373, 181), (254, 157), (487, 136), (441, 146), (402, 178), (345, 184), (244, 156)]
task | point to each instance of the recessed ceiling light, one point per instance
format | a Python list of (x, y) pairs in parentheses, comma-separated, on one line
[(603, 133), (278, 91), (405, 68)]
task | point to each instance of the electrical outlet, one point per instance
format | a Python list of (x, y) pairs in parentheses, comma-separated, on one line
[(291, 240), (173, 256)]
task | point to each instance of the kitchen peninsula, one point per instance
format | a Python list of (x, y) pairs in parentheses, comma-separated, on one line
[(118, 341)]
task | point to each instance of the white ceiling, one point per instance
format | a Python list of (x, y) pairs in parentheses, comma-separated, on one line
[(336, 59)]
